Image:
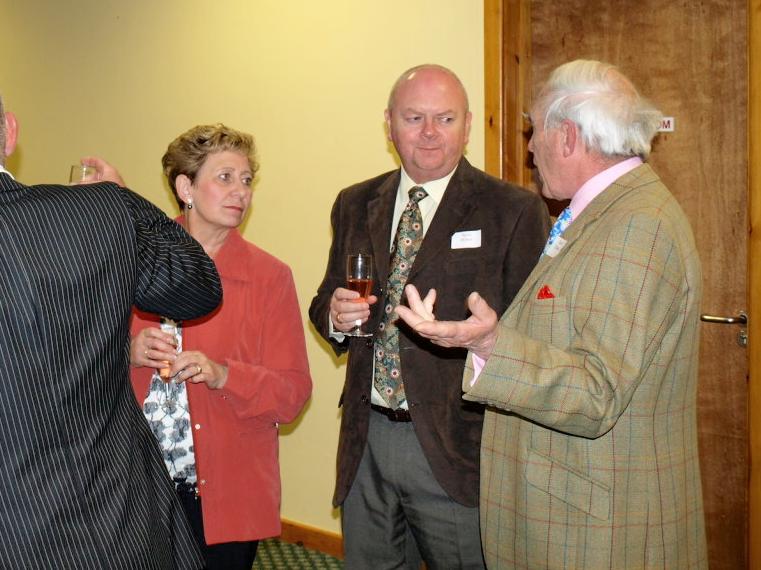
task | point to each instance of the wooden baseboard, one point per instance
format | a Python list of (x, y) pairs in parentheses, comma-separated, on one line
[(312, 537)]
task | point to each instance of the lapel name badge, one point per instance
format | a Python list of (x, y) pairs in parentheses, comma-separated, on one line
[(555, 248), (466, 240)]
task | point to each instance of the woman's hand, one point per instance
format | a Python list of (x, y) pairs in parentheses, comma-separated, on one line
[(194, 366), (153, 348)]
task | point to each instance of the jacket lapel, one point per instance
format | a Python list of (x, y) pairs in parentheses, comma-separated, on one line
[(456, 205), (380, 213), (585, 222), (629, 182)]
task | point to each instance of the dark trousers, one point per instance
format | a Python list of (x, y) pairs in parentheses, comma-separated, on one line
[(397, 513), (225, 556)]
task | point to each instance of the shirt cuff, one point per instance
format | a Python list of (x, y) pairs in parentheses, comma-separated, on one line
[(338, 336), (478, 365)]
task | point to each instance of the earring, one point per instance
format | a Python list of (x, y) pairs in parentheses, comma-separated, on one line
[(190, 205)]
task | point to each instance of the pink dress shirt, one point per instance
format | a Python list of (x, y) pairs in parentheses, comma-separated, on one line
[(581, 199)]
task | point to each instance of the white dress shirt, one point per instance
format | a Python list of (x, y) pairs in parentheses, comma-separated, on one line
[(428, 206)]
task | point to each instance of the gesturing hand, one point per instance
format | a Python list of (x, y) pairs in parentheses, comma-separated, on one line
[(477, 333)]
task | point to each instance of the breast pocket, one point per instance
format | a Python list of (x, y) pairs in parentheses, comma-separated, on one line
[(466, 271), (453, 280), (549, 320), (464, 265)]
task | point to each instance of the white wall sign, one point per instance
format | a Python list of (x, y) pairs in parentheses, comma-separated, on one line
[(667, 125)]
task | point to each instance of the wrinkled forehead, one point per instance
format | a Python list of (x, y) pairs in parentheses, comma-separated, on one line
[(540, 106), (535, 114)]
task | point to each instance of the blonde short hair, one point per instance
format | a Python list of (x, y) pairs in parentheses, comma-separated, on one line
[(187, 153)]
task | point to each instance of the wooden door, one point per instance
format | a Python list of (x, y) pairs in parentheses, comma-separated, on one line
[(690, 58)]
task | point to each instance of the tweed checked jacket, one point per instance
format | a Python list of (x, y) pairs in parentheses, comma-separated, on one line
[(589, 455), (82, 482)]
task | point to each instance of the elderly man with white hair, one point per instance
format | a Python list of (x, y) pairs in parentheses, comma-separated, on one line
[(589, 455)]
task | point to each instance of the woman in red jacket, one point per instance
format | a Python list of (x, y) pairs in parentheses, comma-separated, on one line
[(231, 377)]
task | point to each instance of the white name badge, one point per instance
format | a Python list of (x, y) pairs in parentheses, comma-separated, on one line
[(466, 240), (555, 248)]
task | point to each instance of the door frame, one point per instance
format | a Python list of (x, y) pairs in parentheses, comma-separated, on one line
[(754, 279), (507, 83)]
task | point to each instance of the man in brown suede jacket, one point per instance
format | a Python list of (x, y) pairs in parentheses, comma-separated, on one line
[(408, 473)]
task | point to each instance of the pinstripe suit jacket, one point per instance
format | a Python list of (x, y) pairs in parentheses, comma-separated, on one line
[(82, 483), (589, 455)]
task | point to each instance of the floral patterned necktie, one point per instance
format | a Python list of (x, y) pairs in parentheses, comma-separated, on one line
[(564, 220), (409, 236)]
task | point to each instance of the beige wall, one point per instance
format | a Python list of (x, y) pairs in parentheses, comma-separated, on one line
[(308, 78)]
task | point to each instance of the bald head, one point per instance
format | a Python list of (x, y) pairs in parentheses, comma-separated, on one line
[(426, 69)]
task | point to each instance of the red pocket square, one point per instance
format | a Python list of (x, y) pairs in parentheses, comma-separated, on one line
[(545, 293)]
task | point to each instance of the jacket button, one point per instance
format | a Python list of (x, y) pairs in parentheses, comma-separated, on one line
[(198, 426), (363, 399)]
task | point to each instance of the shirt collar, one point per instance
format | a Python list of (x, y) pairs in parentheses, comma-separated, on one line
[(4, 171), (434, 188), (599, 182)]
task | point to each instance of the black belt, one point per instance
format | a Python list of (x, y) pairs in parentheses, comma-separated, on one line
[(397, 415)]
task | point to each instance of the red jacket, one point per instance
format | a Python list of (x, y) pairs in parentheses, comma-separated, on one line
[(257, 332)]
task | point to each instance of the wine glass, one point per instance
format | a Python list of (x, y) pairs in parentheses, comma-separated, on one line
[(359, 278), (82, 174)]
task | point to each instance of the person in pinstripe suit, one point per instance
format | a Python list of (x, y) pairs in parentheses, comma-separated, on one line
[(589, 454), (82, 482)]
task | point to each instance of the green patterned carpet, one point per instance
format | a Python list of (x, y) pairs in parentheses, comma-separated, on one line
[(274, 554)]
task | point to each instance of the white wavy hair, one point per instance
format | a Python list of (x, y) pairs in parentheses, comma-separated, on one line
[(613, 118)]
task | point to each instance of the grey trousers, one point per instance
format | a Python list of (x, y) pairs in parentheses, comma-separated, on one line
[(397, 514)]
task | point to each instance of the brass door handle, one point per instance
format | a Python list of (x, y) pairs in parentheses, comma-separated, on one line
[(740, 319)]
